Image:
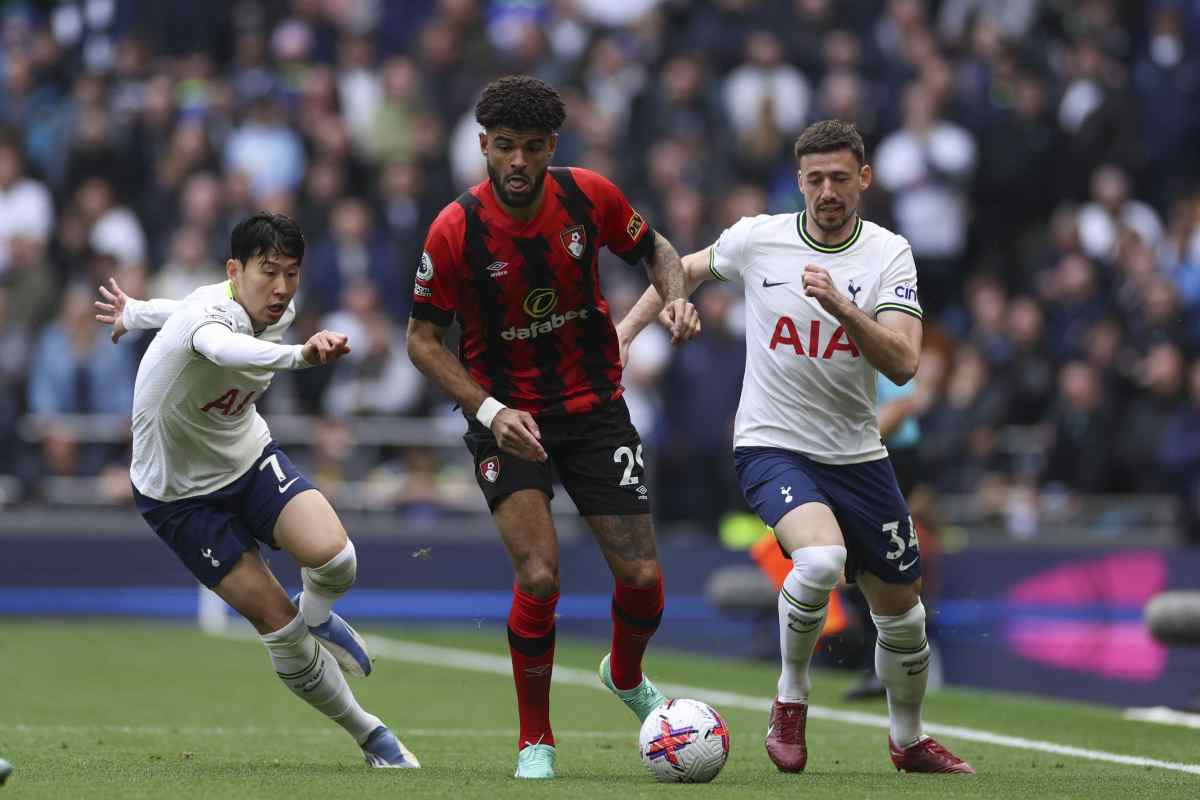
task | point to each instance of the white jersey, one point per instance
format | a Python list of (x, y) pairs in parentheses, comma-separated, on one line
[(195, 425), (807, 388)]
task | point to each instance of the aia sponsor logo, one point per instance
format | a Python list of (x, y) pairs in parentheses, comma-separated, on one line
[(489, 468), (228, 403), (574, 239), (786, 334)]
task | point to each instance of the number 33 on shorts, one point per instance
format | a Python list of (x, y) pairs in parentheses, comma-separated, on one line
[(900, 546)]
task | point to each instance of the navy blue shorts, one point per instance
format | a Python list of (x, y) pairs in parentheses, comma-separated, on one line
[(210, 532), (865, 499)]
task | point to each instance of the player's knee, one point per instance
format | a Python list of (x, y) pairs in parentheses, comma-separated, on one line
[(538, 579), (336, 575), (819, 568), (905, 630), (640, 575)]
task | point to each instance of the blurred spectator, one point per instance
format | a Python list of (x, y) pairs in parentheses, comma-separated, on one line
[(1167, 82), (266, 150), (1178, 453), (376, 377), (1111, 212), (352, 251), (767, 99), (114, 230), (189, 266), (75, 369), (958, 438), (926, 166), (700, 431), (1162, 373), (1081, 456), (26, 207)]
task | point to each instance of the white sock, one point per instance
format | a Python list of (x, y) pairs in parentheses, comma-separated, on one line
[(803, 600), (902, 663), (323, 585), (313, 675)]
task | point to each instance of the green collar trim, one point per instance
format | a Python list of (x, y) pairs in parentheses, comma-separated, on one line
[(828, 248)]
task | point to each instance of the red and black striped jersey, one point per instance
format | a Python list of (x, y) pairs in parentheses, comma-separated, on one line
[(536, 330)]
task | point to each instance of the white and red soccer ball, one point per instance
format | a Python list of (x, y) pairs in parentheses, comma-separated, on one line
[(684, 741)]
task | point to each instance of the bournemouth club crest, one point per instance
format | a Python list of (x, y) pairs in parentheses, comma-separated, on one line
[(489, 468), (575, 240)]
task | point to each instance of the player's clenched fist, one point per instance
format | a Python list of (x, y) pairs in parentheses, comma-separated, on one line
[(325, 347), (518, 434), (818, 284), (681, 319)]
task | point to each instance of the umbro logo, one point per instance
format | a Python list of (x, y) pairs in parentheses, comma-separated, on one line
[(768, 284)]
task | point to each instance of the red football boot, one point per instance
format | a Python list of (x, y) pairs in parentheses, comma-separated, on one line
[(785, 736), (927, 756)]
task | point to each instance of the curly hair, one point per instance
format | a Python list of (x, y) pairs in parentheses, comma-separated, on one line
[(522, 103), (831, 135)]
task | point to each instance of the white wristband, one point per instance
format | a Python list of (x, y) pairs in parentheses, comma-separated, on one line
[(488, 410)]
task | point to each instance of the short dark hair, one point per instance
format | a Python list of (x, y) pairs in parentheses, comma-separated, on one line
[(265, 234), (829, 136), (520, 102)]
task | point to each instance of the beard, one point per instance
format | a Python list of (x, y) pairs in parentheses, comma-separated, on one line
[(535, 186), (832, 227)]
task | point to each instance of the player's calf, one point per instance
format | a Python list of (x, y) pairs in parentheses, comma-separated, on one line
[(313, 675), (902, 662)]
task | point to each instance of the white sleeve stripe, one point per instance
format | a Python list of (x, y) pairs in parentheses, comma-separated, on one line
[(916, 312), (712, 264)]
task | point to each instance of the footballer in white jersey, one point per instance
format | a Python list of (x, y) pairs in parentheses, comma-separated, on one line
[(807, 386), (195, 425), (830, 300), (210, 482)]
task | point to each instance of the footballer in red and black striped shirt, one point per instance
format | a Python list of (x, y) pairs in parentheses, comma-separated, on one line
[(536, 330), (514, 261)]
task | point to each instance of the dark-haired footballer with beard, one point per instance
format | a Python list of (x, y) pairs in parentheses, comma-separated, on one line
[(538, 376)]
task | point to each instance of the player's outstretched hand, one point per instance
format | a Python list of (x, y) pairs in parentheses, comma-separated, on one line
[(819, 284), (681, 319), (325, 347), (111, 308), (518, 434)]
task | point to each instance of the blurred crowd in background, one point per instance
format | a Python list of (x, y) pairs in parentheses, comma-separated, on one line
[(1041, 156)]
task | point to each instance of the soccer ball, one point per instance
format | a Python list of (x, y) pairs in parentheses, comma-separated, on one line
[(684, 741)]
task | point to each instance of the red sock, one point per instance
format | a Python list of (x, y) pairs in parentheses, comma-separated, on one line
[(531, 645), (635, 615)]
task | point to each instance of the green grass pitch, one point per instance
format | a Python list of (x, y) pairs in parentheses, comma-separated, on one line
[(139, 710)]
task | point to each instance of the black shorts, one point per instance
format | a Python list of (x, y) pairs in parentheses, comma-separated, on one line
[(597, 456)]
